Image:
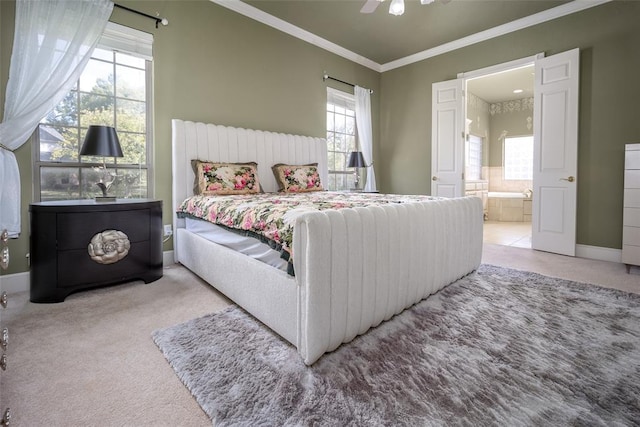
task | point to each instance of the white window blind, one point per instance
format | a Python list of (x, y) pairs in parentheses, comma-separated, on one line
[(127, 40)]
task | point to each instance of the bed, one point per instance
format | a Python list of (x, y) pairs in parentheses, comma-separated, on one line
[(354, 268)]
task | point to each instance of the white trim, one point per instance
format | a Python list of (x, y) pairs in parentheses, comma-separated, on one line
[(519, 24), (167, 258), (279, 24), (14, 283), (599, 253), (127, 40), (20, 282), (500, 30), (501, 68)]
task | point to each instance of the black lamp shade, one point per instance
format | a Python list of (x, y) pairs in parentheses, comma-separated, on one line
[(101, 141), (356, 160)]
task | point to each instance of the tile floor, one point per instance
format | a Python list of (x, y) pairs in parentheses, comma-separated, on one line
[(517, 234)]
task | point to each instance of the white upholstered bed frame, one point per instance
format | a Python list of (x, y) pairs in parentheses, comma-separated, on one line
[(354, 267)]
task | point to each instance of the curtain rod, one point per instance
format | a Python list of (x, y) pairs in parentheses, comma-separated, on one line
[(163, 21), (327, 76)]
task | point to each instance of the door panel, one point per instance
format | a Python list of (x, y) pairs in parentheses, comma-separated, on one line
[(447, 143), (555, 159)]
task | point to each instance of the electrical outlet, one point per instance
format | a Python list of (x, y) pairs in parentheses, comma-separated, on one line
[(168, 231)]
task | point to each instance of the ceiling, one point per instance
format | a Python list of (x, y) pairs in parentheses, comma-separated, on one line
[(382, 41), (500, 87), (382, 37)]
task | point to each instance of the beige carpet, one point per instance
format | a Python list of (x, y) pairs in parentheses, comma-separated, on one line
[(91, 361)]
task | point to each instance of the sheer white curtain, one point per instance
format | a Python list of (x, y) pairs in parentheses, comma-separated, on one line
[(365, 134), (52, 43)]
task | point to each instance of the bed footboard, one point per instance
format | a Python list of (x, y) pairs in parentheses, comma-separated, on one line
[(358, 267)]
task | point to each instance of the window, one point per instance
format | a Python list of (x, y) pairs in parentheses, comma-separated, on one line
[(473, 164), (114, 90), (341, 138), (518, 158)]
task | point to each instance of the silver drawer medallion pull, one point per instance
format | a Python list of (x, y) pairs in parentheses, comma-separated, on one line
[(4, 339), (4, 250), (3, 362), (6, 417), (4, 300), (109, 247)]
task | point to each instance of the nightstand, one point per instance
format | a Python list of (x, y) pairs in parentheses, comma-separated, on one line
[(82, 244)]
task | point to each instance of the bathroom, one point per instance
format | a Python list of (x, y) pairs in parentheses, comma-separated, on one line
[(499, 153)]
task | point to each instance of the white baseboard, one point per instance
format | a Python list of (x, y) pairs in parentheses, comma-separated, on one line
[(167, 258), (599, 253), (13, 283), (19, 282)]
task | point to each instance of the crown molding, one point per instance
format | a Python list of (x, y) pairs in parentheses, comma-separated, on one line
[(500, 30), (279, 24), (519, 24)]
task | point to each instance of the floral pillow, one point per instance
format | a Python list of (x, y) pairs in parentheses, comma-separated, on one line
[(297, 178), (225, 178)]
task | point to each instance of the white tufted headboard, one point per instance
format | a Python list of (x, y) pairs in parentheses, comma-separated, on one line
[(191, 140)]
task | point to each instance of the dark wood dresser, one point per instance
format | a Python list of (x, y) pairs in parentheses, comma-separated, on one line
[(82, 244)]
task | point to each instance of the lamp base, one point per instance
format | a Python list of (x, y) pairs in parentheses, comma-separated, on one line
[(102, 199)]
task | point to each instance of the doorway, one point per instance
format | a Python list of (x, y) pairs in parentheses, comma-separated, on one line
[(555, 157), (499, 151)]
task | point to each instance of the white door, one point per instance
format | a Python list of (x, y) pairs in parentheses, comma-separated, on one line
[(447, 139), (555, 156)]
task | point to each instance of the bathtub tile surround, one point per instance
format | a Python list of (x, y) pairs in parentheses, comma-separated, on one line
[(508, 200), (498, 183), (509, 207)]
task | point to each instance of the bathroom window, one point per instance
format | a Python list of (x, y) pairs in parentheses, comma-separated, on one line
[(473, 161), (518, 158)]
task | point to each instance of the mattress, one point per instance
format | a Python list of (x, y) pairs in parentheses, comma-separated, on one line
[(247, 245)]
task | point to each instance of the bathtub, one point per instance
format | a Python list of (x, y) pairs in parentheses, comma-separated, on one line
[(506, 195), (509, 207)]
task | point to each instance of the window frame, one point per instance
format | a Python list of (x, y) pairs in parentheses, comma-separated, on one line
[(473, 140), (504, 157), (117, 39), (347, 101)]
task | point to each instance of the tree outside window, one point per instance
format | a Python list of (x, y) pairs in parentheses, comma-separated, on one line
[(111, 91)]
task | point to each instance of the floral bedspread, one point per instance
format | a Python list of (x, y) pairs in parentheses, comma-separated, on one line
[(270, 216)]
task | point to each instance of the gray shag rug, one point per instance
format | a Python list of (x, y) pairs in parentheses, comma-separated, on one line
[(497, 347)]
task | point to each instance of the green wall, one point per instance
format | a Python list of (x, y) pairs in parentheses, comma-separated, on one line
[(609, 40), (214, 65)]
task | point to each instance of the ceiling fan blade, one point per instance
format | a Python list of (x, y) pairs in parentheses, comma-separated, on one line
[(370, 6)]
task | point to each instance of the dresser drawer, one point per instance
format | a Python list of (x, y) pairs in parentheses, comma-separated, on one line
[(631, 217), (632, 159), (631, 236), (75, 230), (631, 254), (136, 262), (632, 197), (62, 232), (632, 178)]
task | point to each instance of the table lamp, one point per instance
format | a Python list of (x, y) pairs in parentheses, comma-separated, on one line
[(356, 160), (102, 141)]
